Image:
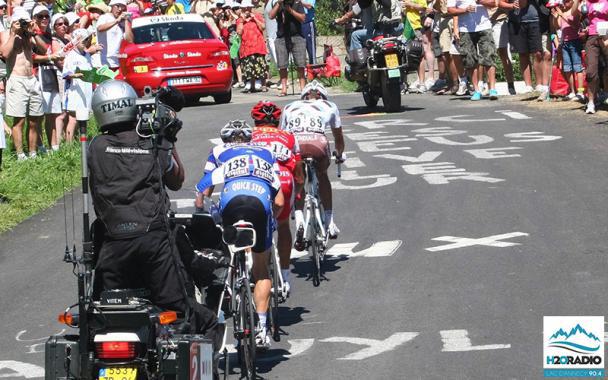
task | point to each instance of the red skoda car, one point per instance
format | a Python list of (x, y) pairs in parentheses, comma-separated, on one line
[(180, 51)]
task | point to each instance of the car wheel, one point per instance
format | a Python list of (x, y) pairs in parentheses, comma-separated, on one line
[(223, 98), (192, 100)]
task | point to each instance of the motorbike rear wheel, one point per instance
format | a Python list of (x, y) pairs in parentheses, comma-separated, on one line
[(391, 95), (370, 99)]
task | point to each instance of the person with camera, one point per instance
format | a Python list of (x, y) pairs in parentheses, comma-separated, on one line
[(130, 167), (112, 28), (17, 50), (290, 40)]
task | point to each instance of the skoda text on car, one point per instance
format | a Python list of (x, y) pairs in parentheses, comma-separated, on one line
[(180, 51)]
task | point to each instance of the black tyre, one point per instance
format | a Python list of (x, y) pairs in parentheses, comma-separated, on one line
[(274, 299), (370, 99), (313, 251), (223, 98), (192, 100), (246, 319), (391, 95)]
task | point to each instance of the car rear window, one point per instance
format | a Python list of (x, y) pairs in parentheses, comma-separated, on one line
[(171, 31)]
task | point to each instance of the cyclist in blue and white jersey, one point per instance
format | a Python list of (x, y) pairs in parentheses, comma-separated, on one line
[(252, 192)]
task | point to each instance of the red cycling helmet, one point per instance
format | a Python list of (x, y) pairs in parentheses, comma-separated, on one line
[(266, 112)]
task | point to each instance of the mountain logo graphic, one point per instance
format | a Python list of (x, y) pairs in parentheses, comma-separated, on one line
[(577, 340)]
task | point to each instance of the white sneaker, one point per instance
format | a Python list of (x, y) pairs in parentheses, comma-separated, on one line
[(483, 88), (571, 96), (262, 339), (462, 89), (590, 108), (414, 86), (527, 90), (539, 88), (21, 157), (33, 155), (286, 289), (332, 230), (422, 88), (580, 97), (429, 83)]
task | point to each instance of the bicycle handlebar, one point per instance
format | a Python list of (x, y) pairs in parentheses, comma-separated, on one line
[(339, 161)]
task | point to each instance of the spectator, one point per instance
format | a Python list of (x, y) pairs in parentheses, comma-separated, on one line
[(205, 8), (386, 15), (271, 31), (26, 97), (112, 28), (476, 41), (442, 45), (415, 12), (567, 20), (250, 26), (77, 97), (73, 21), (358, 37), (95, 11), (47, 76), (4, 19), (59, 25), (174, 8), (5, 128), (309, 30), (135, 8), (290, 39), (500, 32), (595, 47)]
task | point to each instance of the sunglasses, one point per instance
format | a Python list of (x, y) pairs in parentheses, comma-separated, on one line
[(3, 7), (43, 17), (59, 24)]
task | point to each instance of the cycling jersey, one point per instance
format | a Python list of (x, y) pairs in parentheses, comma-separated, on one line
[(310, 116), (285, 148)]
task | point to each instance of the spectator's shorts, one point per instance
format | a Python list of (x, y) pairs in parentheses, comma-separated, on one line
[(298, 51), (477, 48), (442, 40), (250, 209), (525, 37), (571, 56), (254, 66), (500, 31), (316, 146), (287, 186), (23, 97), (595, 49), (545, 39), (51, 102), (78, 101)]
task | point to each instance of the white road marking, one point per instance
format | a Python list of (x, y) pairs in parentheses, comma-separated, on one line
[(379, 180), (383, 145), (490, 241), (20, 369), (458, 341), (437, 131), (379, 124), (424, 157), (375, 347), (296, 347), (460, 119), (514, 115), (353, 162), (442, 173), (216, 141), (183, 203), (477, 140), (378, 249), (379, 135), (531, 137), (491, 153)]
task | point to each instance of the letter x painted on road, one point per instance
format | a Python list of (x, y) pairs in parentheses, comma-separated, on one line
[(461, 242)]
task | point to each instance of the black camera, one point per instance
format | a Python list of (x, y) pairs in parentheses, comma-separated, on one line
[(157, 113), (24, 25)]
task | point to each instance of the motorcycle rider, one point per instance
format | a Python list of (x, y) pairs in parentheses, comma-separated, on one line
[(386, 20), (359, 36), (252, 192), (308, 119), (127, 177)]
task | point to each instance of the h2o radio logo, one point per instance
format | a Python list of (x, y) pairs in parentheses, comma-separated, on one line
[(573, 346)]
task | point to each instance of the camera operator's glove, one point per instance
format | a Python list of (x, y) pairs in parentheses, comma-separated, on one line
[(170, 131)]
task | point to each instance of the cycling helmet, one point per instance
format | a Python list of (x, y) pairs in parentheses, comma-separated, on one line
[(266, 112), (314, 86), (114, 102), (235, 129)]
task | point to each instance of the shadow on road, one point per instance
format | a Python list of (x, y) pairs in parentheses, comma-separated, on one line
[(364, 110), (303, 267)]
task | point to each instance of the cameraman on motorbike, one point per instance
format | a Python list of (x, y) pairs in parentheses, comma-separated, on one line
[(385, 20), (128, 172)]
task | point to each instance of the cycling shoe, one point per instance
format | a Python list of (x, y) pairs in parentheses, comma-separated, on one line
[(333, 231), (299, 243)]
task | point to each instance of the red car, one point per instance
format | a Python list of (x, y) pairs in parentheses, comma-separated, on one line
[(180, 51)]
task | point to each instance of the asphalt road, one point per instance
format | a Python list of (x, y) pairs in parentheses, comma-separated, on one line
[(463, 224)]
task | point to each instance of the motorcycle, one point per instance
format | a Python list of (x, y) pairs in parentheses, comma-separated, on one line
[(381, 67)]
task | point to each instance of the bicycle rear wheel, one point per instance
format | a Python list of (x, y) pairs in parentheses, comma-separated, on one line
[(246, 317), (274, 298), (313, 251)]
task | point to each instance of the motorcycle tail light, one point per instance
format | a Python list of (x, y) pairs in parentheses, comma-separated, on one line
[(68, 319), (116, 350), (167, 317)]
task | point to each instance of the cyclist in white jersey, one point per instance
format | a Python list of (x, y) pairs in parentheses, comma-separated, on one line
[(309, 119)]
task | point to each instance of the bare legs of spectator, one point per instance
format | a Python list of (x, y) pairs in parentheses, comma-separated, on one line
[(283, 75), (53, 125), (507, 65), (538, 66), (32, 134), (524, 65), (429, 58), (71, 127), (546, 67)]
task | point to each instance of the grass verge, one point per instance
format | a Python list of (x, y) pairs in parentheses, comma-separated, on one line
[(28, 187)]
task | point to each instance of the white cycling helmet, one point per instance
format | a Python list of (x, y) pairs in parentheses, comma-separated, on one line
[(114, 102), (234, 129), (314, 86)]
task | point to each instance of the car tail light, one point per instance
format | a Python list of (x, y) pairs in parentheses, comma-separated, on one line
[(115, 350), (221, 53), (141, 59)]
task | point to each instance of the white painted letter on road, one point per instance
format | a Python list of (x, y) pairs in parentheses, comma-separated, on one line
[(477, 140), (442, 173), (378, 249), (490, 241), (375, 347), (491, 153), (20, 369), (458, 341), (379, 124), (379, 180), (531, 137)]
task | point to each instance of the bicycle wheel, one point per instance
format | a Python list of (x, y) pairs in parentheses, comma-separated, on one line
[(246, 318), (274, 298), (313, 251)]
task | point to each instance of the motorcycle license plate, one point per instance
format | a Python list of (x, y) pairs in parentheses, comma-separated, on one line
[(394, 73), (117, 373), (391, 60)]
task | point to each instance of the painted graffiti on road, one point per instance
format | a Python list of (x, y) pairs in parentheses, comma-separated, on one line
[(462, 242)]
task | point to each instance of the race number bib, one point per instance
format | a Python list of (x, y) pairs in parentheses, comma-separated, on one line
[(302, 122), (280, 151), (236, 167), (263, 169)]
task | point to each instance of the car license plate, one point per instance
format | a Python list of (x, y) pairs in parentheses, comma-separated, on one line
[(185, 81), (391, 61), (117, 373), (394, 73)]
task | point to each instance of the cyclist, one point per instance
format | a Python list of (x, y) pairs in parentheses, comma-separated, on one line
[(308, 119), (252, 192), (266, 116)]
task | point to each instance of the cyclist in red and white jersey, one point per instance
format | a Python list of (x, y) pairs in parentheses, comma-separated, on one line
[(284, 146), (309, 119)]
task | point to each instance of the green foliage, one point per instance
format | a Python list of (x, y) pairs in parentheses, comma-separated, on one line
[(327, 11), (500, 72), (30, 186)]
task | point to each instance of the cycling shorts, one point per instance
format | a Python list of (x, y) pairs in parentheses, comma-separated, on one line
[(316, 146), (252, 210), (287, 186)]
